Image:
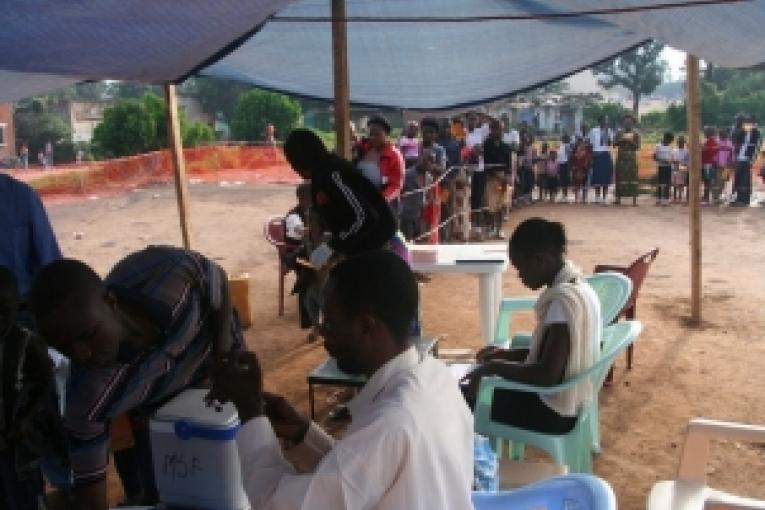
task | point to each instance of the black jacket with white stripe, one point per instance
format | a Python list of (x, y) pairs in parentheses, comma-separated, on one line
[(351, 208)]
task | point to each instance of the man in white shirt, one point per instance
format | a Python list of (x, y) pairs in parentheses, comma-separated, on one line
[(601, 139), (410, 442), (747, 140)]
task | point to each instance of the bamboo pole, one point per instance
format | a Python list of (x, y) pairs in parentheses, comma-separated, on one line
[(179, 163), (340, 67), (693, 108)]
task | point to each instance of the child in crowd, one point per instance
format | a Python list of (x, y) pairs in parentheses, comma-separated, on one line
[(552, 175), (725, 162), (540, 172), (30, 424), (680, 173), (664, 156), (564, 169), (409, 145), (710, 174), (581, 161), (411, 204)]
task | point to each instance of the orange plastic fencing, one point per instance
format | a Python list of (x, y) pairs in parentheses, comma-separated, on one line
[(208, 163)]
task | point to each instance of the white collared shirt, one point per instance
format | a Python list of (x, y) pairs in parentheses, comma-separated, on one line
[(742, 156), (511, 137), (473, 138), (597, 136), (410, 445)]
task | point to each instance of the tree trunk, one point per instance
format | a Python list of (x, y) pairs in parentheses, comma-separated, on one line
[(635, 104)]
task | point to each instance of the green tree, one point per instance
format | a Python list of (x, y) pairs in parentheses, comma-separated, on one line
[(138, 125), (258, 108), (639, 70), (37, 127), (217, 95), (129, 127), (196, 133), (131, 90), (614, 111)]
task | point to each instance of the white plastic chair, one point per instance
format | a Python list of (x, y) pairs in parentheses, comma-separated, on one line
[(690, 491)]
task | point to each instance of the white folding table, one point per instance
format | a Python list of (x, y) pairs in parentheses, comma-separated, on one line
[(486, 261)]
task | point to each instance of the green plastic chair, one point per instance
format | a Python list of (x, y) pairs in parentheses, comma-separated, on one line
[(613, 290), (574, 448)]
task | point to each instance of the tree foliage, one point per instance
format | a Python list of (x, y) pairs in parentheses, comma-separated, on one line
[(258, 108), (639, 70), (131, 90), (614, 111), (138, 125), (36, 126), (217, 95), (725, 93)]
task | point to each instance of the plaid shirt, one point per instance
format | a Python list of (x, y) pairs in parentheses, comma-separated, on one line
[(177, 290)]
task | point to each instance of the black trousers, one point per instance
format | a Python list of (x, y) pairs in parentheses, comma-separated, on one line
[(743, 182), (526, 411), (663, 182)]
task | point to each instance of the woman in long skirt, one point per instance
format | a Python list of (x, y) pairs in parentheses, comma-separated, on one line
[(627, 143)]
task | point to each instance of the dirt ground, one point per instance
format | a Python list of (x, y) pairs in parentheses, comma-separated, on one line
[(715, 371)]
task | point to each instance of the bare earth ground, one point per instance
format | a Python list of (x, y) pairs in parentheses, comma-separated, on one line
[(716, 371)]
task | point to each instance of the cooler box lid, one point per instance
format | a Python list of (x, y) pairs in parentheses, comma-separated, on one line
[(193, 418)]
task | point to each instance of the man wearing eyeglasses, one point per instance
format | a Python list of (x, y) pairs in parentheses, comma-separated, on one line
[(410, 442)]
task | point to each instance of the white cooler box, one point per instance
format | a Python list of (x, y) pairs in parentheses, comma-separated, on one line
[(196, 464)]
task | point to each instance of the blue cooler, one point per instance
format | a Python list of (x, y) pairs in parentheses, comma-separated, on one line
[(196, 463)]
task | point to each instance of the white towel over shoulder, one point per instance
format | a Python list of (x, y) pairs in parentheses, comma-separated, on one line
[(582, 311)]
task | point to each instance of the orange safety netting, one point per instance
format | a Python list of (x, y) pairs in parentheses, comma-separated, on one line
[(265, 164)]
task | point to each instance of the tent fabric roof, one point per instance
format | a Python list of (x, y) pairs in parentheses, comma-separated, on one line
[(142, 40), (422, 65)]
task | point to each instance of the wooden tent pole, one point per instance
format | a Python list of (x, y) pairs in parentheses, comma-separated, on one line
[(693, 107), (340, 66), (179, 163)]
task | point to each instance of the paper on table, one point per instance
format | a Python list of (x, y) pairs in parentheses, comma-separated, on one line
[(460, 370)]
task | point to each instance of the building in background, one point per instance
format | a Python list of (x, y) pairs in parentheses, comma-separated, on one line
[(7, 134), (192, 107), (82, 117)]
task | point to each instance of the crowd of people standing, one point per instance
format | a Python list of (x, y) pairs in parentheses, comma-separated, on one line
[(457, 179)]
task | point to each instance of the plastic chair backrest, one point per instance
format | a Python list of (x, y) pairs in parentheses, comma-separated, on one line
[(637, 272), (584, 492), (616, 338), (274, 231), (613, 290)]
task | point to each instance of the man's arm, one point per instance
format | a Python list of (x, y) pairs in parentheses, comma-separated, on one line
[(46, 249), (221, 310), (356, 473)]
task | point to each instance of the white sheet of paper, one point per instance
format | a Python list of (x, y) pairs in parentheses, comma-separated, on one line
[(460, 370)]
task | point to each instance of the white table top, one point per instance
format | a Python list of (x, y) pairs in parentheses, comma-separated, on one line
[(459, 258)]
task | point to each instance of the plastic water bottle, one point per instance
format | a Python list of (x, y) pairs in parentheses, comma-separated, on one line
[(485, 465)]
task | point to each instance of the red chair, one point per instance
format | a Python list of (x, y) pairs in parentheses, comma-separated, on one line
[(637, 272), (274, 231)]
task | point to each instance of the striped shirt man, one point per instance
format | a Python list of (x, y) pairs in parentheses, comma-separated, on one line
[(179, 292)]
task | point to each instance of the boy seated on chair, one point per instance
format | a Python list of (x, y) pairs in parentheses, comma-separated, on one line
[(565, 342), (296, 224)]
